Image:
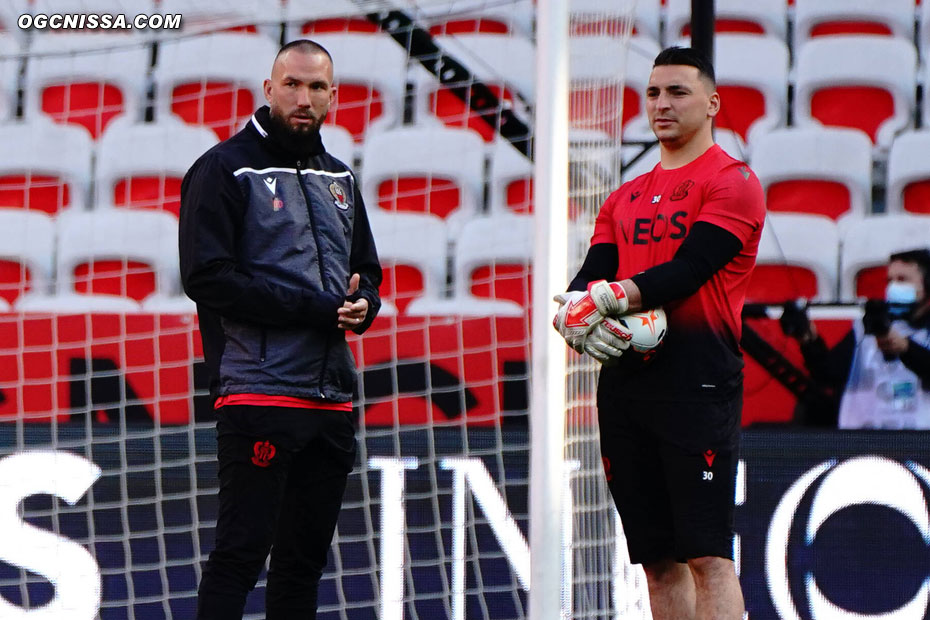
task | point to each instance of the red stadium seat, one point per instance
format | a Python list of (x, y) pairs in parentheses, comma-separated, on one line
[(86, 79), (141, 165), (203, 16), (866, 246), (412, 250), (435, 170), (27, 245), (908, 185), (759, 17), (117, 252), (222, 89), (49, 168), (798, 257), (451, 17), (825, 18), (861, 82), (493, 258), (818, 171)]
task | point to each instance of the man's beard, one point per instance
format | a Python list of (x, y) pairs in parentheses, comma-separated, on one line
[(298, 139)]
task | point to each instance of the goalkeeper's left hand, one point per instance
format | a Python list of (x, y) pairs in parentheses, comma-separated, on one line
[(607, 341), (609, 297)]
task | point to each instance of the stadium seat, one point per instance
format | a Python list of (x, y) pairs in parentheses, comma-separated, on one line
[(309, 18), (821, 18), (798, 257), (492, 275), (127, 8), (44, 166), (141, 165), (202, 16), (339, 143), (493, 258), (599, 67), (86, 79), (504, 63), (371, 77), (460, 16), (413, 249), (863, 82), (435, 170), (118, 252), (753, 102), (222, 88), (908, 185), (595, 17), (823, 171), (866, 246), (769, 17), (27, 249), (511, 186)]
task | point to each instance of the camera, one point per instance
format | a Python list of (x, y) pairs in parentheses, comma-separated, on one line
[(877, 319)]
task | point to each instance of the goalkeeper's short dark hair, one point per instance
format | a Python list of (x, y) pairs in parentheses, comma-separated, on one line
[(690, 57)]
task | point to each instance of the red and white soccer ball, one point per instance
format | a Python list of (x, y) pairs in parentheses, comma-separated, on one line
[(648, 327)]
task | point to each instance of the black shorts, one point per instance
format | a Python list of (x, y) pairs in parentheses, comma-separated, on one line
[(671, 468)]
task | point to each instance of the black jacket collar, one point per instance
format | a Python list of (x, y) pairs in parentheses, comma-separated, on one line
[(271, 138)]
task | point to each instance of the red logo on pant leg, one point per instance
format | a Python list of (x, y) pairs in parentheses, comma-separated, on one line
[(607, 473), (264, 452), (709, 457)]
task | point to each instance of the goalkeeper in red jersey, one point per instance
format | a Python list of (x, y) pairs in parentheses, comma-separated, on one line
[(683, 236)]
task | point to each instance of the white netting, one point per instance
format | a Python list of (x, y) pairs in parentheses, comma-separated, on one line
[(100, 354)]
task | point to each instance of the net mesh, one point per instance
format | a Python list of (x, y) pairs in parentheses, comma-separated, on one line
[(100, 354)]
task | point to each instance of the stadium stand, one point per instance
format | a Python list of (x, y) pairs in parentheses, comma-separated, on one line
[(201, 16), (511, 180), (908, 185), (141, 165), (462, 16), (222, 88), (824, 171), (340, 144), (45, 166), (798, 257), (493, 259), (863, 82), (9, 75), (312, 17), (593, 17), (866, 245)]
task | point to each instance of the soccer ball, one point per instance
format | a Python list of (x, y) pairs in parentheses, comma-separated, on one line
[(648, 327)]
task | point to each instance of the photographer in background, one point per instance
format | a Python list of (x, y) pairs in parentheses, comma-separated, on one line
[(880, 371)]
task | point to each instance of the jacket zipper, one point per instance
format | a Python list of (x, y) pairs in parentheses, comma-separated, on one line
[(264, 346), (319, 262)]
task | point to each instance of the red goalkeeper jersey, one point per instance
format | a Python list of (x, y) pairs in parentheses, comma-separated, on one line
[(648, 218)]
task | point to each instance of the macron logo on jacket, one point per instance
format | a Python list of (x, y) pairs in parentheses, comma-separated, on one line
[(271, 183)]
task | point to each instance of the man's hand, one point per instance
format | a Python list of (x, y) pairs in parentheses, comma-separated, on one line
[(607, 341), (352, 313), (576, 317), (892, 343), (609, 297)]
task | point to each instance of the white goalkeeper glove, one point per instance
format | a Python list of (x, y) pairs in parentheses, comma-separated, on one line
[(607, 341), (609, 297), (576, 317)]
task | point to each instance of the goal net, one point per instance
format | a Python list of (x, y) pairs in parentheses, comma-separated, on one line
[(107, 448)]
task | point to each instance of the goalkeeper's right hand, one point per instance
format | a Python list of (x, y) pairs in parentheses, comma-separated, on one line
[(607, 341), (576, 317)]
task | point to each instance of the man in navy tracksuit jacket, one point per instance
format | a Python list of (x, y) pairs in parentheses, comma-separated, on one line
[(277, 251)]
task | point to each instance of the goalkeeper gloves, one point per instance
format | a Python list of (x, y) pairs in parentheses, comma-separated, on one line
[(609, 297), (607, 341), (576, 317)]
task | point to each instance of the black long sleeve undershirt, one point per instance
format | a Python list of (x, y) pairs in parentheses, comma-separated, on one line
[(706, 250)]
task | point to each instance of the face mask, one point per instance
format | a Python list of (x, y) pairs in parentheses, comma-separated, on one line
[(901, 298)]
